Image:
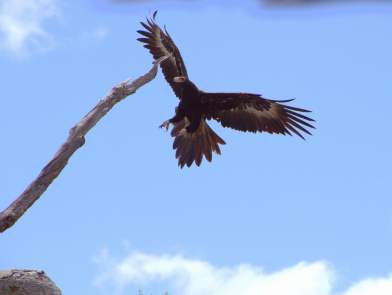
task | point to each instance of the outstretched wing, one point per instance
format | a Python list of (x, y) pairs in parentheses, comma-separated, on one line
[(251, 112), (160, 44)]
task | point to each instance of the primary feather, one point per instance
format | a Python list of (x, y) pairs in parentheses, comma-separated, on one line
[(160, 44), (193, 138)]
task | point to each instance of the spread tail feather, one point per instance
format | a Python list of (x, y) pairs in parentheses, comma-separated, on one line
[(190, 147)]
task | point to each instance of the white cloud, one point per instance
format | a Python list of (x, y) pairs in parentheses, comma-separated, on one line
[(21, 24), (196, 277), (376, 286)]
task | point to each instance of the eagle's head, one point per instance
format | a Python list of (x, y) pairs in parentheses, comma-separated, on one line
[(179, 79)]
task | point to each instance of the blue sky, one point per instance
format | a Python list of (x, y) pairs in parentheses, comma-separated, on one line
[(318, 212)]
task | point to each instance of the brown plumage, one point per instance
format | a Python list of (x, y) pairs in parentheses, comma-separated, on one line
[(193, 138)]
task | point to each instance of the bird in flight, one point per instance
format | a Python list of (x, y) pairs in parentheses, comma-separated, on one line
[(193, 137)]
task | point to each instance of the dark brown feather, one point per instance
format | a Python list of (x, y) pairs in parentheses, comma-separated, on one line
[(241, 111), (191, 147), (160, 44), (252, 113)]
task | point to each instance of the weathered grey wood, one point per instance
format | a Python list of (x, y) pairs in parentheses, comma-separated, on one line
[(26, 282), (75, 140)]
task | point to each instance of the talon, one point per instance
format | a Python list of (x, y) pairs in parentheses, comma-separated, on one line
[(165, 124)]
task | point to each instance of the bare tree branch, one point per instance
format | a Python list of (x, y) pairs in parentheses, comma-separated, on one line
[(74, 141)]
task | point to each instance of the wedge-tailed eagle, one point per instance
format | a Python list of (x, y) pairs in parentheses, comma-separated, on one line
[(193, 138)]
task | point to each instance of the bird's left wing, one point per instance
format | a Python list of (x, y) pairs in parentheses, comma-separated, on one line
[(251, 112), (160, 44)]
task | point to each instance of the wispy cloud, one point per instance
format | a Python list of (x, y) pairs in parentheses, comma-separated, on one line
[(99, 34), (196, 277), (22, 24)]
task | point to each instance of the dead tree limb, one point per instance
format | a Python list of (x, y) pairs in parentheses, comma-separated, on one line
[(75, 140)]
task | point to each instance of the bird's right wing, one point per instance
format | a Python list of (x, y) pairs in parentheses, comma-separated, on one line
[(160, 44)]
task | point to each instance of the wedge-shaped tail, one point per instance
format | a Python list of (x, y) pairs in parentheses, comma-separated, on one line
[(191, 147)]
